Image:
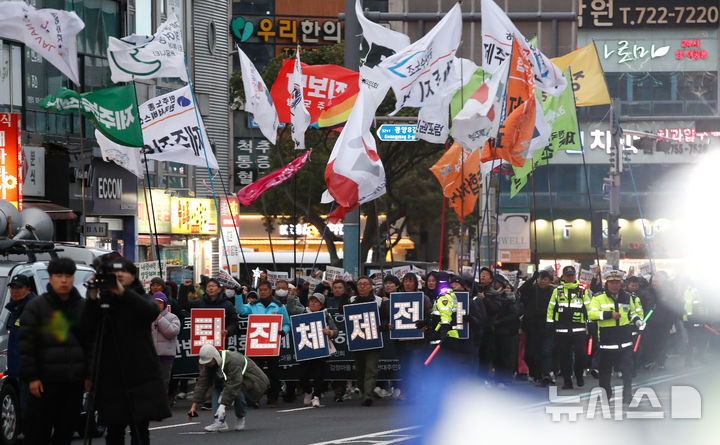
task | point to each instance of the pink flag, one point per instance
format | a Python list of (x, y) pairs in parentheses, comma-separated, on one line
[(250, 192)]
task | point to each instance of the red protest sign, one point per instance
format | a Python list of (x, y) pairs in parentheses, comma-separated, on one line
[(322, 84), (206, 327), (263, 335)]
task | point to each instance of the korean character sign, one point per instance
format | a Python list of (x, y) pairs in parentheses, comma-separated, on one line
[(263, 335), (361, 326), (308, 337), (206, 328), (463, 305), (405, 309)]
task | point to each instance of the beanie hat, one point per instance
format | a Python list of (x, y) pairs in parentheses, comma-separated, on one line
[(161, 296), (157, 280), (319, 297), (208, 353)]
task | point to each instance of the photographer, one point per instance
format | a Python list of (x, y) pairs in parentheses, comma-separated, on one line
[(128, 384)]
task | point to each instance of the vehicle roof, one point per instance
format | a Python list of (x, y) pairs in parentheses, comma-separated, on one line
[(6, 266)]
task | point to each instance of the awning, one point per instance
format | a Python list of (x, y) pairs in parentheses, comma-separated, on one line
[(53, 210)]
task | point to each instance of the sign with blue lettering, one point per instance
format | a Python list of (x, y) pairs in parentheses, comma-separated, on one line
[(361, 325), (308, 337), (463, 306), (405, 309), (397, 132)]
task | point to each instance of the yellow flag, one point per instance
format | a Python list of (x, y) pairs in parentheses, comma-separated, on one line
[(588, 81)]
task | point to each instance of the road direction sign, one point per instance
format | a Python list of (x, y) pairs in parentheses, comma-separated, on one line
[(397, 132)]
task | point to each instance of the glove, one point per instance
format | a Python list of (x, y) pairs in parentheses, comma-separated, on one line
[(639, 323), (444, 329), (420, 324), (220, 413)]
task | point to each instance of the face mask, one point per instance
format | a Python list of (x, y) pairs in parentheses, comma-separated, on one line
[(229, 293), (281, 292)]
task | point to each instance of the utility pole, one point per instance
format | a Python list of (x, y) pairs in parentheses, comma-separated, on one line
[(612, 254)]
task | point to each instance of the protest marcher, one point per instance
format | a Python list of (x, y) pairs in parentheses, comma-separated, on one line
[(667, 305), (234, 379), (535, 295), (366, 362), (507, 326), (490, 298), (214, 298), (695, 317), (129, 386), (338, 296), (265, 304), (165, 330)]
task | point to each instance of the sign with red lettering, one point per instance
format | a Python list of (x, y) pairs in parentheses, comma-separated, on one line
[(11, 173), (322, 84), (263, 335), (206, 328)]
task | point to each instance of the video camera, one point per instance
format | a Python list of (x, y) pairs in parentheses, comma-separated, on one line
[(104, 278)]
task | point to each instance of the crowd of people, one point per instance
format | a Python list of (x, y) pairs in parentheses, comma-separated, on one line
[(120, 342)]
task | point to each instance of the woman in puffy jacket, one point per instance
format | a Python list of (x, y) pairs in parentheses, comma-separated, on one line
[(164, 332)]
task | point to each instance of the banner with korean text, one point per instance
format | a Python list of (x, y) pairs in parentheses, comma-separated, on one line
[(361, 325), (11, 165), (206, 328), (263, 335), (308, 337), (405, 309)]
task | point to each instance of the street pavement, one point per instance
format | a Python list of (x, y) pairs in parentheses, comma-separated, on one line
[(474, 412)]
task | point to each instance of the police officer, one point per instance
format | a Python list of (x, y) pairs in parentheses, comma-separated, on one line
[(616, 312), (695, 316), (567, 313), (632, 285)]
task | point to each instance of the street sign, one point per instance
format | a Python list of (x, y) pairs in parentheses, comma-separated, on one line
[(98, 229), (397, 132)]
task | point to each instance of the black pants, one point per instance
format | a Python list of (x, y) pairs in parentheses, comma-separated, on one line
[(535, 353), (506, 352), (312, 376), (572, 354), (139, 434), (272, 367), (53, 416), (621, 359)]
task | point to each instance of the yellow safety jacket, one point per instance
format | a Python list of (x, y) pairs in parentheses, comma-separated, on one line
[(567, 308), (445, 306), (615, 334), (694, 311)]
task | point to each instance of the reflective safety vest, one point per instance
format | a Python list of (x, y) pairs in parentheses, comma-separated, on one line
[(641, 314), (615, 334), (567, 307), (445, 307), (694, 309)]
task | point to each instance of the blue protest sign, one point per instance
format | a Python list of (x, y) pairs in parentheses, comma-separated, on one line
[(463, 305), (361, 324), (308, 337), (405, 309)]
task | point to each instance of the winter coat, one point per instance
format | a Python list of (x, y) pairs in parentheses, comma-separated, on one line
[(13, 327), (507, 321), (252, 382), (221, 302), (165, 332), (52, 342), (535, 302), (273, 307), (294, 307), (129, 383), (478, 319)]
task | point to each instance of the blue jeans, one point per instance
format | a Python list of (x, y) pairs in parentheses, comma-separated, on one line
[(240, 403)]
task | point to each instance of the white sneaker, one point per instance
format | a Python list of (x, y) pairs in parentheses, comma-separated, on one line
[(181, 395), (308, 399), (240, 424), (396, 394), (217, 427), (381, 393), (316, 402)]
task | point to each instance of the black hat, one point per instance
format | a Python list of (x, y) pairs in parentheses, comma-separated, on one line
[(569, 270), (20, 280), (157, 280), (500, 278)]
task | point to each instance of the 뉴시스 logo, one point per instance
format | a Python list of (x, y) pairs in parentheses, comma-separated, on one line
[(685, 403)]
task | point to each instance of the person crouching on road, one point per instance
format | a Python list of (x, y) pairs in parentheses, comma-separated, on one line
[(233, 378)]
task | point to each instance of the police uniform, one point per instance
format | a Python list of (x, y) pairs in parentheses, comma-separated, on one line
[(445, 315), (567, 313), (615, 336)]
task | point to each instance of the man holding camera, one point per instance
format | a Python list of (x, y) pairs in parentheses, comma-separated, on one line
[(53, 358)]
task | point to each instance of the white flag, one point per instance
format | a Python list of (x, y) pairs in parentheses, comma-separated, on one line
[(420, 73), (51, 33), (479, 118), (498, 32), (541, 134), (355, 174), (171, 131), (299, 116), (126, 157), (378, 43), (258, 100), (148, 57)]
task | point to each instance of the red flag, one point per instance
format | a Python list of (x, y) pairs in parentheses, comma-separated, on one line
[(516, 131), (324, 86), (250, 192)]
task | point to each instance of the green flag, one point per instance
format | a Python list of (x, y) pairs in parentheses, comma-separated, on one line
[(462, 95), (560, 115), (113, 111)]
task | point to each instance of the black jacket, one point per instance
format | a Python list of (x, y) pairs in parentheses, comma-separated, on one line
[(535, 302), (52, 342), (13, 328), (221, 302), (507, 321), (129, 384)]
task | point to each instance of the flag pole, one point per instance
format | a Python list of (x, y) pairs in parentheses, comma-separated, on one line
[(207, 164), (552, 223), (534, 216), (262, 198), (237, 232), (82, 171)]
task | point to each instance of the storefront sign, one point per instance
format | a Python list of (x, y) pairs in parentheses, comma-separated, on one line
[(514, 238), (206, 328), (598, 139), (97, 229), (663, 14), (11, 167), (229, 212), (640, 53), (193, 216), (308, 230), (34, 171), (252, 160), (283, 30), (159, 209), (114, 189)]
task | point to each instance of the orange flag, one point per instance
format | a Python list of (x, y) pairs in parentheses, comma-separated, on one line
[(458, 172), (516, 130)]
